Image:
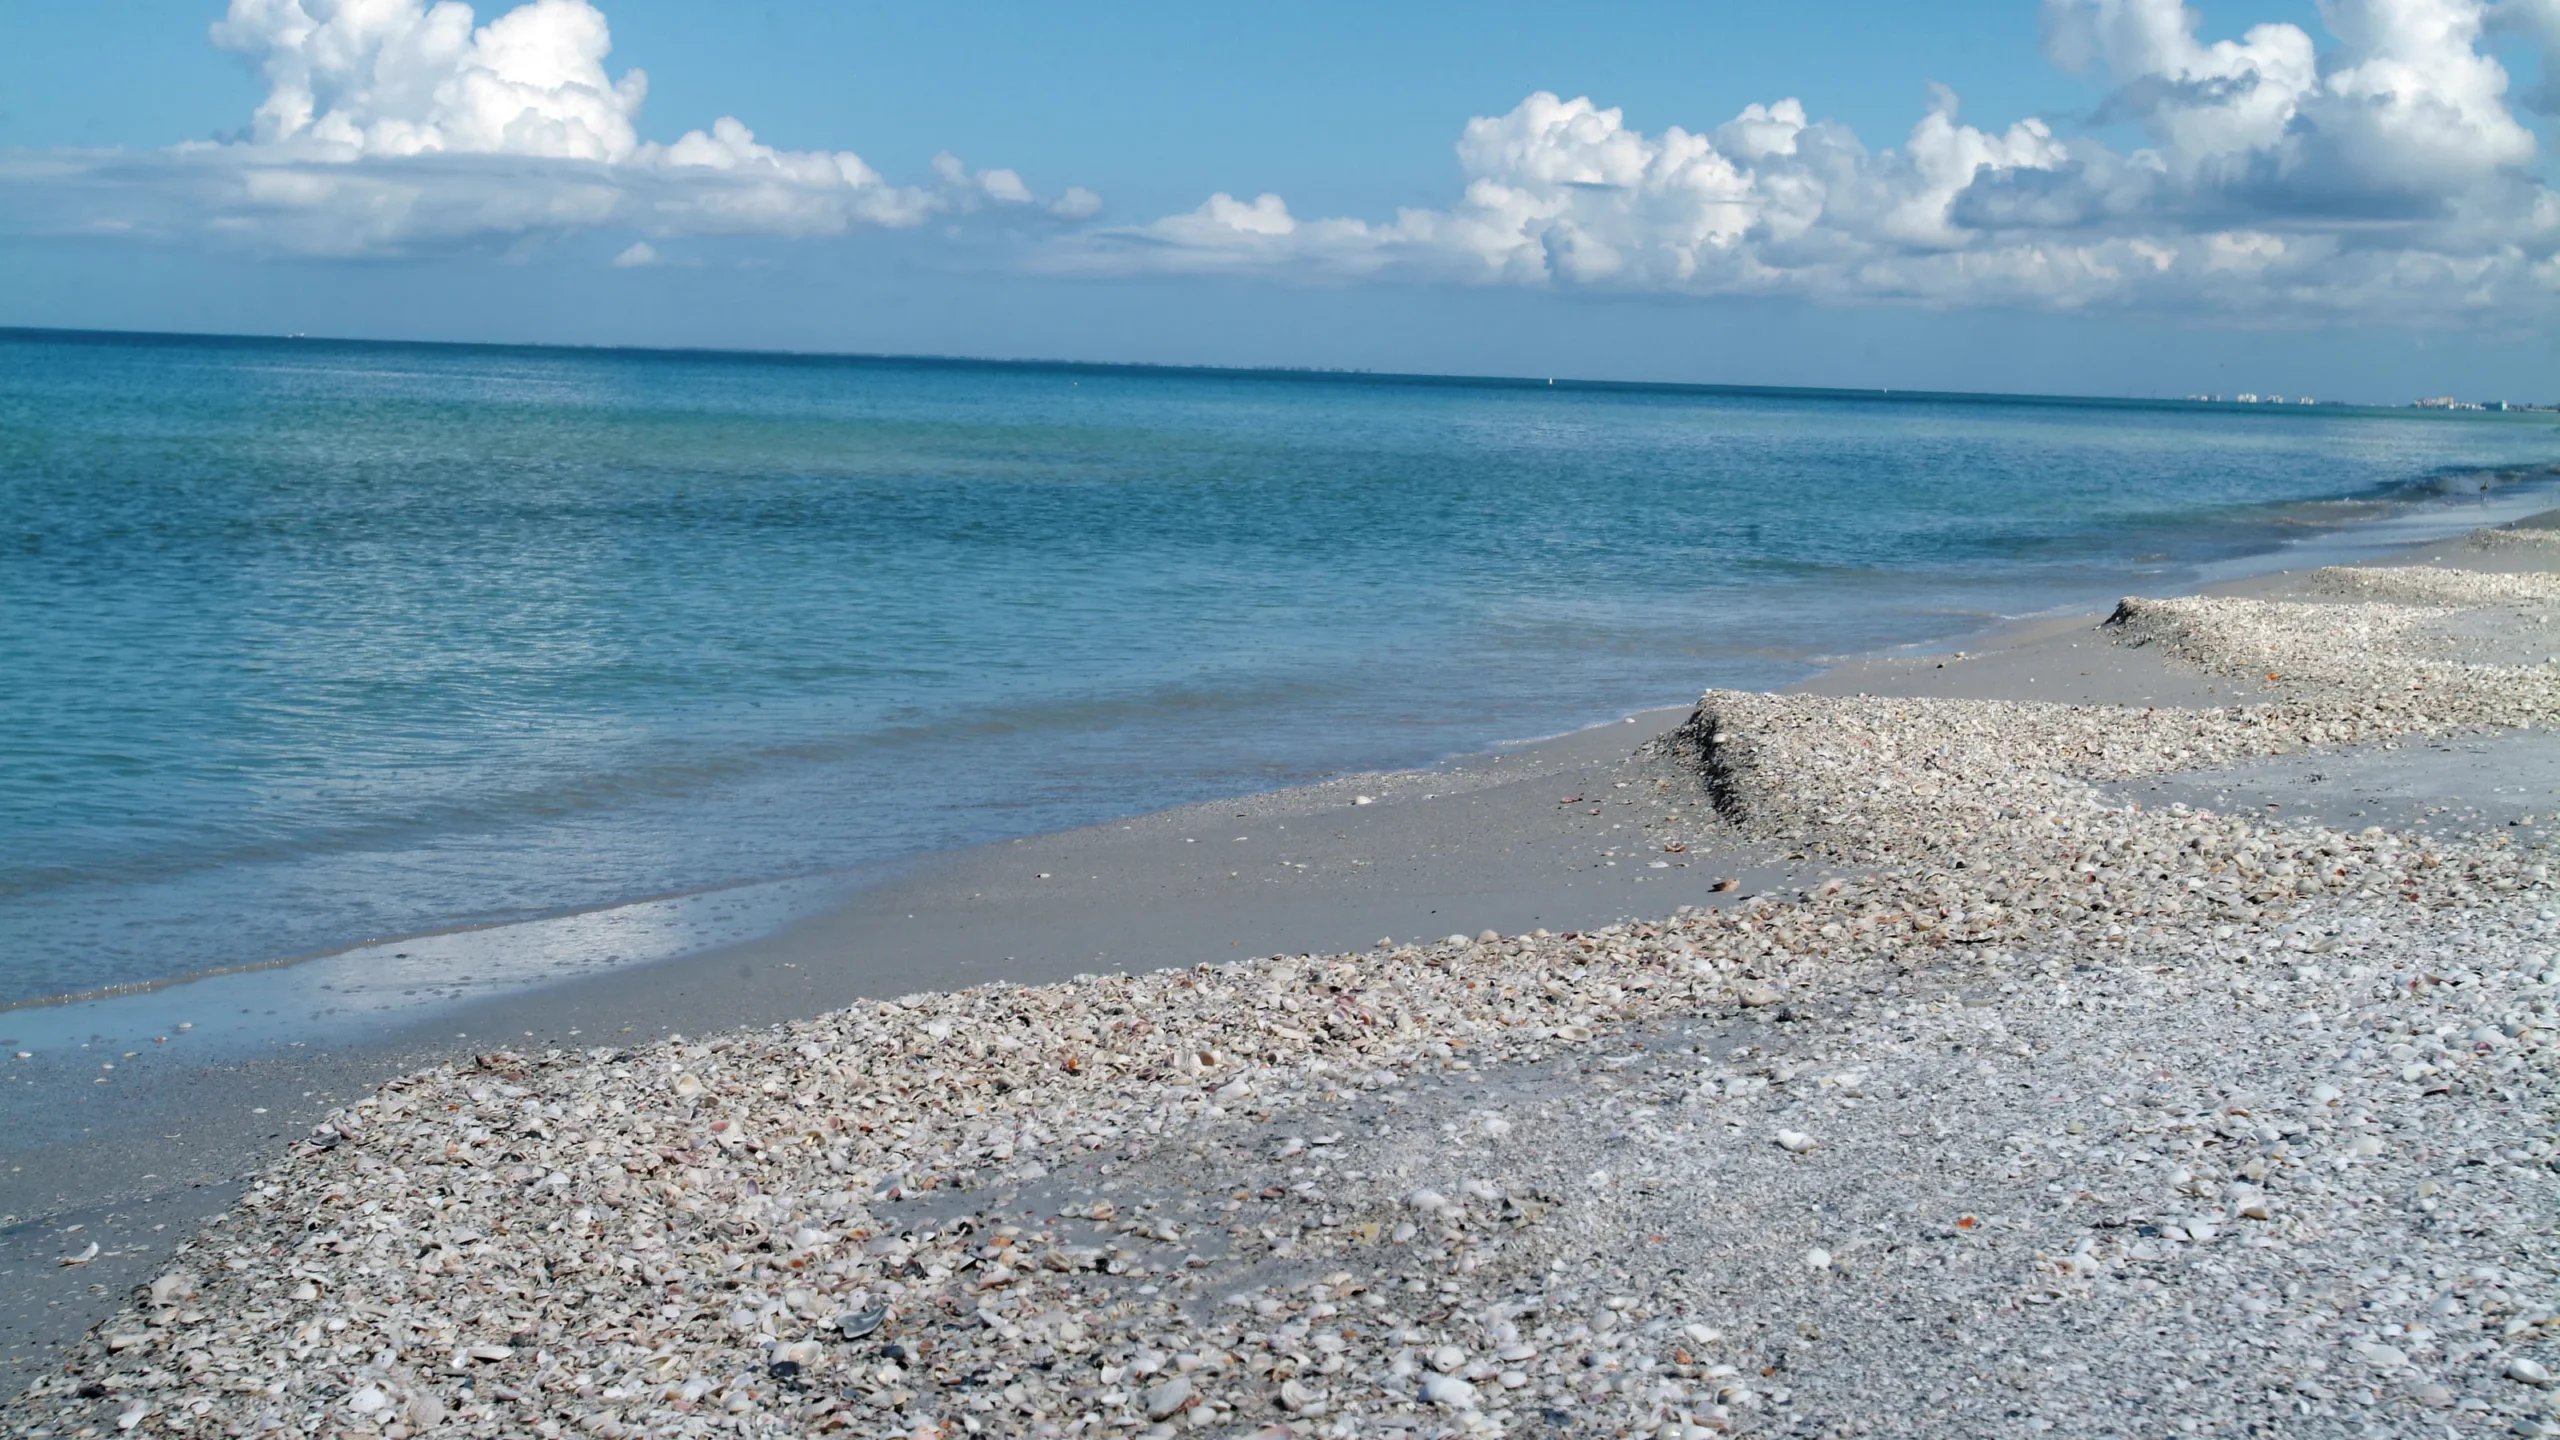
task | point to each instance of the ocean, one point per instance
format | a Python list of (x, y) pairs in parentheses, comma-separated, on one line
[(306, 644)]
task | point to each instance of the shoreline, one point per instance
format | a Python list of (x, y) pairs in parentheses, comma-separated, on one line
[(2358, 541), (1999, 1065), (1429, 853)]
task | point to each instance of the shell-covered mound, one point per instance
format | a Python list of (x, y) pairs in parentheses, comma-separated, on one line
[(2427, 585), (2392, 668)]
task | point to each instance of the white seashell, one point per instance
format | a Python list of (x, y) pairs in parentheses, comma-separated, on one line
[(1170, 1398), (1449, 1391)]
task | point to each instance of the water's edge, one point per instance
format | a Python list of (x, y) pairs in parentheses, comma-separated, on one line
[(348, 993)]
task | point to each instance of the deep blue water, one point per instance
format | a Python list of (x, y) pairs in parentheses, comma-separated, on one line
[(303, 643)]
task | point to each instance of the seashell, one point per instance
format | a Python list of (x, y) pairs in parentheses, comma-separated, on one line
[(1170, 1398), (1449, 1391)]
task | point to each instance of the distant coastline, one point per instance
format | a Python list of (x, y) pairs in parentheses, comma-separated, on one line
[(1309, 374)]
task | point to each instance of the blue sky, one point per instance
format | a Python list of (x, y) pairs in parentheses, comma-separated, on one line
[(2156, 228), (1352, 106)]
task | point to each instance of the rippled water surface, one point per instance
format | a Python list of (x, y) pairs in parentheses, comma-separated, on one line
[(303, 643)]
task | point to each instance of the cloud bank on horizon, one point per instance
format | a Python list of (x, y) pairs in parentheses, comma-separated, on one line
[(396, 127), (2386, 177)]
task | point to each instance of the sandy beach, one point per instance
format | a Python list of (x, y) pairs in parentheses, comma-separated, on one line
[(2136, 1024)]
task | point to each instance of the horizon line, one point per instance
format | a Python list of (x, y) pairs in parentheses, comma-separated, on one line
[(1310, 373)]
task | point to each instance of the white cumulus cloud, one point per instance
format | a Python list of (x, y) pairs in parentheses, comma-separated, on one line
[(2388, 173), (360, 78), (393, 126), (1077, 204)]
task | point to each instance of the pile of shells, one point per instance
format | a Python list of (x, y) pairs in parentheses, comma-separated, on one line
[(2427, 585), (2393, 666)]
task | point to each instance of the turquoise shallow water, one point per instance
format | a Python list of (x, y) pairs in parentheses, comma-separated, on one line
[(303, 643)]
